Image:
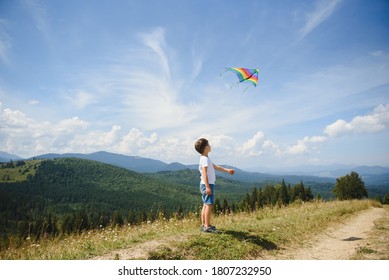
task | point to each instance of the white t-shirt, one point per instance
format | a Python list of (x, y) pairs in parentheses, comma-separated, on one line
[(205, 161)]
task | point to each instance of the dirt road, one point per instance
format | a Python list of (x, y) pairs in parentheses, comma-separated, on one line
[(342, 241)]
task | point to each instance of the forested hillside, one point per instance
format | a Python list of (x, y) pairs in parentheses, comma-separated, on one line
[(73, 194)]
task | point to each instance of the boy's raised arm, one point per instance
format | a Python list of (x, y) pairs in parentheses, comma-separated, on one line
[(222, 169)]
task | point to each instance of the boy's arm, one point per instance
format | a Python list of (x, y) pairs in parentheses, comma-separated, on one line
[(222, 169), (205, 178)]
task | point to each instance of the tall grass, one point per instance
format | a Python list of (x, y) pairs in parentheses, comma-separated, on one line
[(243, 235)]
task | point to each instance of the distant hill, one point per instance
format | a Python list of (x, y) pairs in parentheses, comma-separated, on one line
[(332, 171), (134, 163), (6, 157), (372, 175)]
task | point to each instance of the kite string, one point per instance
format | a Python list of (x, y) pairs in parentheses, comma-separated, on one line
[(225, 70)]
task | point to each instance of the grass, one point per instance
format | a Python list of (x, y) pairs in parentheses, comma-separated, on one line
[(244, 235), (18, 173)]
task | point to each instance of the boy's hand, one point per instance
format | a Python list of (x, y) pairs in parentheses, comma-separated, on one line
[(208, 190), (231, 171)]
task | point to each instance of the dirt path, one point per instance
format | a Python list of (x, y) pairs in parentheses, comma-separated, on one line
[(337, 243), (340, 242), (140, 251)]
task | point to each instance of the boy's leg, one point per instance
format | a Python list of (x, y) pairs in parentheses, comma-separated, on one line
[(207, 214), (203, 215)]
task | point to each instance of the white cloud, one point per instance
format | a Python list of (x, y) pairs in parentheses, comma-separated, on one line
[(377, 120), (33, 102), (323, 10), (26, 136), (134, 140), (95, 140), (70, 125), (81, 99), (251, 147), (304, 145), (258, 145), (14, 119)]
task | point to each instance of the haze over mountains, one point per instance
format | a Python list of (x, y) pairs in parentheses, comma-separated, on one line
[(370, 174)]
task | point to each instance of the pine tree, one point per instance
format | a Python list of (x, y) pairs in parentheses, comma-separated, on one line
[(225, 206), (132, 217), (283, 193), (260, 198), (217, 209), (67, 225), (308, 194), (117, 219), (386, 199), (254, 200)]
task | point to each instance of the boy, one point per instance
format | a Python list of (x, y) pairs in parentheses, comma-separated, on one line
[(207, 184)]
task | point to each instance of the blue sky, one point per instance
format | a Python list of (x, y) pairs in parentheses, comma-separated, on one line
[(143, 78)]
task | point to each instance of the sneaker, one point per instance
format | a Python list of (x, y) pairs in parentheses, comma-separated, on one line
[(209, 229), (211, 226)]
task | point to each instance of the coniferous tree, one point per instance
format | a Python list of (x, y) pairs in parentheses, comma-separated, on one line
[(117, 219), (225, 206), (132, 217), (283, 193), (308, 194), (67, 225), (217, 209), (254, 200)]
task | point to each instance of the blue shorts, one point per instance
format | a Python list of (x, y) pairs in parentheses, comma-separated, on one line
[(207, 199)]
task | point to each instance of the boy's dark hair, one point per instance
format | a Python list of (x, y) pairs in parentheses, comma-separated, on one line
[(201, 144)]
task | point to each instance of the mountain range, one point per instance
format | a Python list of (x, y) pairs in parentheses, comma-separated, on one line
[(372, 175)]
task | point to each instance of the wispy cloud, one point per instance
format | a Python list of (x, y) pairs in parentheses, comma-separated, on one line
[(323, 10), (39, 16), (156, 41), (139, 79), (5, 42)]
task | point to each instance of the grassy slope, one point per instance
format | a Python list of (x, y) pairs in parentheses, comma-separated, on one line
[(19, 173), (245, 235)]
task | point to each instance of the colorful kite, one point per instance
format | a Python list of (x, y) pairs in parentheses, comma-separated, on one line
[(245, 75)]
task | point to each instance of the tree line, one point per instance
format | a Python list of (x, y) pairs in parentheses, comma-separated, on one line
[(270, 195)]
